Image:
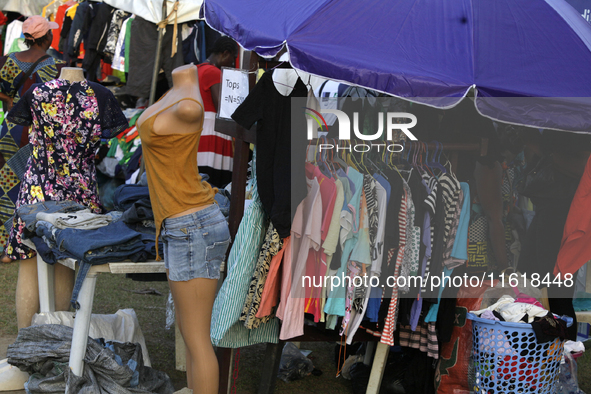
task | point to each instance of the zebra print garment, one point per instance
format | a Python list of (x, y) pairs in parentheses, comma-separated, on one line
[(451, 194), (431, 203), (369, 188)]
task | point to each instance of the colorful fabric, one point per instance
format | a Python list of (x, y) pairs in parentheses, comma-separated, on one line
[(453, 229), (270, 296), (431, 203), (114, 30), (390, 323), (410, 261), (13, 136), (387, 335), (478, 239), (423, 338), (226, 328), (273, 244), (68, 122)]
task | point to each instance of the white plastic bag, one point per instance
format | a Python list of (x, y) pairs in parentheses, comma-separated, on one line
[(122, 326), (567, 383)]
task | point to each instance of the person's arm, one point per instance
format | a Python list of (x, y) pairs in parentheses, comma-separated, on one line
[(215, 96), (6, 101)]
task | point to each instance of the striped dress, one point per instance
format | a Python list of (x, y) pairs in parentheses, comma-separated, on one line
[(226, 328)]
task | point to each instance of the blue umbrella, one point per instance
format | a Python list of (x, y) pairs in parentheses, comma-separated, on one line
[(528, 60)]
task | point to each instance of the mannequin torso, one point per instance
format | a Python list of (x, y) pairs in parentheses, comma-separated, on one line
[(194, 242), (179, 111)]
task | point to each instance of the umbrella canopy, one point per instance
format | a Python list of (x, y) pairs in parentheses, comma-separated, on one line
[(528, 60)]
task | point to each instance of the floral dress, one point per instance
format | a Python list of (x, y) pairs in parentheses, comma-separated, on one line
[(68, 119), (13, 136)]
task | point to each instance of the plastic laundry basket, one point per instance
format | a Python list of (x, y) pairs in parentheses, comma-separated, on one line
[(508, 359)]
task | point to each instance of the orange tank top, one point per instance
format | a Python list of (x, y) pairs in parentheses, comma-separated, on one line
[(171, 167)]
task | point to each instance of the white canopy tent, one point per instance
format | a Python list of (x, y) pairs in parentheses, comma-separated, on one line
[(25, 7), (151, 10)]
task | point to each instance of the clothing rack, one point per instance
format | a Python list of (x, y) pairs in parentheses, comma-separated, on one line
[(243, 139)]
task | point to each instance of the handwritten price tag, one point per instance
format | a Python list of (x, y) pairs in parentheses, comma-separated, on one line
[(234, 91)]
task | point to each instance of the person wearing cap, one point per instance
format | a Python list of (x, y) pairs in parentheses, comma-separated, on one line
[(18, 72)]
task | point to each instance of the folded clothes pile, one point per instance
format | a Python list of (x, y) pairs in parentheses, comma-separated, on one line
[(65, 229)]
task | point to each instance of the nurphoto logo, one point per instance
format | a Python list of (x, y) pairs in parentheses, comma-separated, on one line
[(345, 129)]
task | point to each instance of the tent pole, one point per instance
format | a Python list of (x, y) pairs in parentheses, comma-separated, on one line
[(157, 60)]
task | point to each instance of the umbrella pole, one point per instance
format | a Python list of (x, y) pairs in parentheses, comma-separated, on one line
[(157, 60)]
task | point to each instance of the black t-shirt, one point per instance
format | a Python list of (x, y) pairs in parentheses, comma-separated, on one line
[(275, 147)]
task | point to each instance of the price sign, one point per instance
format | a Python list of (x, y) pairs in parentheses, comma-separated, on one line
[(234, 91)]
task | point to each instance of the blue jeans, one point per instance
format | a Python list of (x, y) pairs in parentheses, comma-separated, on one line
[(195, 245), (222, 198), (126, 195), (112, 243), (28, 213)]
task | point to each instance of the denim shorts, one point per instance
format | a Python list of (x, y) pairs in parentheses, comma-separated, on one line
[(195, 245)]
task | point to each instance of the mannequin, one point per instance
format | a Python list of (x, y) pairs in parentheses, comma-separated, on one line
[(184, 116), (177, 114), (27, 287), (72, 74)]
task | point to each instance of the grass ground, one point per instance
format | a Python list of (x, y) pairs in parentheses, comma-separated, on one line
[(115, 292)]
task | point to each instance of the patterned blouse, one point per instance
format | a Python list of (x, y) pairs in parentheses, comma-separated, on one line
[(69, 119), (12, 136)]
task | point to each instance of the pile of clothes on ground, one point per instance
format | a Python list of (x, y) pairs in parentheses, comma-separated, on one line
[(109, 367)]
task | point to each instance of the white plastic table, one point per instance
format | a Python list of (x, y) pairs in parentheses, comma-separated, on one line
[(85, 298)]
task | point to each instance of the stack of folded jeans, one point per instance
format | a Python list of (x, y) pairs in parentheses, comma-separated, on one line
[(65, 229), (84, 242), (134, 200), (126, 195)]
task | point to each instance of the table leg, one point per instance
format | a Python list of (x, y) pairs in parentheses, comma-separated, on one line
[(82, 323), (369, 352), (45, 280), (271, 367), (377, 369)]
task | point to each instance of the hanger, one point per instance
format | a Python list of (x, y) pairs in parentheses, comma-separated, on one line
[(328, 162), (333, 165), (376, 168), (415, 158), (337, 159), (435, 162), (354, 160), (425, 166), (362, 163)]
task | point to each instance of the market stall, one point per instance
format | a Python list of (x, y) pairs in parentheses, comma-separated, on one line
[(435, 59), (426, 69)]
